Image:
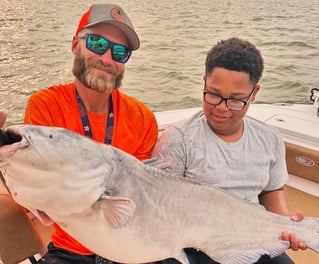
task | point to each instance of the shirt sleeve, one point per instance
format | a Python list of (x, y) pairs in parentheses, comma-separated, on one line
[(52, 107), (37, 112), (278, 169), (150, 137), (171, 145)]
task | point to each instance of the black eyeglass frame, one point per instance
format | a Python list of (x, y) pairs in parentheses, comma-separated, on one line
[(244, 102), (128, 52)]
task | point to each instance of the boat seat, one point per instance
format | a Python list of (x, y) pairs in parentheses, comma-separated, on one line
[(302, 162), (21, 236)]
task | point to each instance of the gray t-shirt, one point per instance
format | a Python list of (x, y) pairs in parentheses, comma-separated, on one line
[(244, 168)]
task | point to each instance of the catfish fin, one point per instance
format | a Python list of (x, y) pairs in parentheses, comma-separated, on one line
[(182, 257), (251, 255), (276, 249), (159, 163), (117, 210)]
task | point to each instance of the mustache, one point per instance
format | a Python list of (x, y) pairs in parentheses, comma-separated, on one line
[(91, 63)]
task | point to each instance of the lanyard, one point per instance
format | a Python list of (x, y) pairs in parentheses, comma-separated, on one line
[(86, 122)]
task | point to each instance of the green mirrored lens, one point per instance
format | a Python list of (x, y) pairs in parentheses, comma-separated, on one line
[(97, 44), (118, 52)]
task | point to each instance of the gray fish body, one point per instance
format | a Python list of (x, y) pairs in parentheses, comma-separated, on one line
[(130, 212)]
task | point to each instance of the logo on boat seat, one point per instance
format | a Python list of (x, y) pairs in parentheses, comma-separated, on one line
[(305, 161)]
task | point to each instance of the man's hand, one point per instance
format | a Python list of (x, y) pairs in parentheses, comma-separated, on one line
[(291, 237)]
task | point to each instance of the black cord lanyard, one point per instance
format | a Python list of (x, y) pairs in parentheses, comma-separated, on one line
[(86, 123)]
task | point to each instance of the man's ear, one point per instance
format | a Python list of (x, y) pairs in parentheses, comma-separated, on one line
[(75, 43)]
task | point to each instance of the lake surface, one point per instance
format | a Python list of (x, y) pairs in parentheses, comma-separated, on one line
[(166, 72)]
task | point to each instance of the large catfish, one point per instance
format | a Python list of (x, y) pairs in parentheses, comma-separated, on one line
[(131, 212)]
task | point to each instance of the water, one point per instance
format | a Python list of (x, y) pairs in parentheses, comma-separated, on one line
[(166, 72)]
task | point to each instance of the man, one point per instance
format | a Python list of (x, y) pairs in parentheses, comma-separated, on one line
[(222, 147), (93, 105)]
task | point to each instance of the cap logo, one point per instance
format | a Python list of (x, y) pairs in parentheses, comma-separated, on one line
[(118, 14)]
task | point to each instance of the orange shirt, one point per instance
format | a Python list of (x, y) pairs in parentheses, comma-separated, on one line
[(135, 130)]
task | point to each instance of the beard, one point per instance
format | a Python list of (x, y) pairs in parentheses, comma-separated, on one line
[(97, 82)]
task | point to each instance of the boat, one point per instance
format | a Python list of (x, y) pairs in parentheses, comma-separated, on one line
[(23, 238)]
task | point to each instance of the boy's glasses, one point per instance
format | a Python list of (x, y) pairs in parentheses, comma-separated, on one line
[(231, 103), (99, 45)]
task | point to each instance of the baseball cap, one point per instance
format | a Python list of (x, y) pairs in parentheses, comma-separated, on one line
[(111, 14)]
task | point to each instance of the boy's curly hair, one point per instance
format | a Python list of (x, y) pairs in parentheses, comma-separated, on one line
[(236, 55)]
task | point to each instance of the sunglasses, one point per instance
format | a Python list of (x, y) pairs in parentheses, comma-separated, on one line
[(99, 45)]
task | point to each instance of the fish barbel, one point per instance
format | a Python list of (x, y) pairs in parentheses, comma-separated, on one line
[(131, 212)]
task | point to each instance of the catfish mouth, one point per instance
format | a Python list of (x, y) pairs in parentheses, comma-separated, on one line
[(8, 137)]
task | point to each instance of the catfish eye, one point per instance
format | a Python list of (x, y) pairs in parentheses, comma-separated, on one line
[(50, 136)]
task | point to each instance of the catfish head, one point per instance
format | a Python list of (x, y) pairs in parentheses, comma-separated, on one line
[(46, 167)]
